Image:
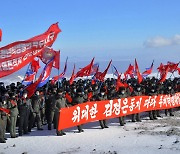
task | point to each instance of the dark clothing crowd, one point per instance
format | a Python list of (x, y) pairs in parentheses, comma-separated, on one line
[(44, 106)]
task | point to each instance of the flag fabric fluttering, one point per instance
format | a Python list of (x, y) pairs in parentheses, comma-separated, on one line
[(101, 75), (178, 70), (0, 35), (137, 72), (85, 71), (60, 76), (73, 76), (43, 79), (29, 77), (95, 68), (31, 72), (35, 66), (129, 71), (18, 54), (148, 70), (47, 73), (119, 83), (172, 66), (164, 74), (47, 54)]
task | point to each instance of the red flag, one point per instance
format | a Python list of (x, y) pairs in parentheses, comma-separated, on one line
[(95, 68), (35, 65), (164, 74), (72, 76), (0, 35), (86, 71), (129, 71), (162, 68), (90, 95), (68, 97), (178, 70), (148, 70), (18, 54), (100, 76), (32, 87), (172, 66), (55, 78), (119, 83), (56, 63), (5, 110), (139, 76)]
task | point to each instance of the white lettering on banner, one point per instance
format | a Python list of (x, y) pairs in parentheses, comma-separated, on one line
[(85, 112), (109, 108), (117, 107), (124, 106), (173, 100), (23, 47), (138, 104), (93, 111), (168, 99), (176, 99), (151, 101), (9, 65), (78, 114), (131, 107)]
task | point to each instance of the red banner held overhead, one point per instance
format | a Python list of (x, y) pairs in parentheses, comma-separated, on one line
[(18, 54), (98, 110)]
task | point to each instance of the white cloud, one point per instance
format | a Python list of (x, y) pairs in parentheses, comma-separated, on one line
[(160, 41)]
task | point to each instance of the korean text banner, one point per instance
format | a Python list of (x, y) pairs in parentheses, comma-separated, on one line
[(18, 54), (99, 110)]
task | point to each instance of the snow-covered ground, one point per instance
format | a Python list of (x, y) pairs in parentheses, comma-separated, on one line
[(147, 137)]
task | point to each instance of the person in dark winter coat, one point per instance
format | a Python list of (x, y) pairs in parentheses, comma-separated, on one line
[(60, 102), (79, 99), (102, 96), (25, 108), (122, 94), (35, 115), (136, 92), (12, 106)]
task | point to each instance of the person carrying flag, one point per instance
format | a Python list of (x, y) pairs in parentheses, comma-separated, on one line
[(25, 108)]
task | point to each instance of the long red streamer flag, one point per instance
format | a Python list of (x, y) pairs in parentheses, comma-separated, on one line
[(107, 109), (0, 35), (139, 76), (18, 54), (72, 76)]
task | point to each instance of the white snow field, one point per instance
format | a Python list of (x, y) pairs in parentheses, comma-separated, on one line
[(160, 136)]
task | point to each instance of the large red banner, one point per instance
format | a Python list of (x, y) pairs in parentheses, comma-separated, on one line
[(18, 54), (98, 110)]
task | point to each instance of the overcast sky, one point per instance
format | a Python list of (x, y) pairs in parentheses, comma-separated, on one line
[(106, 29)]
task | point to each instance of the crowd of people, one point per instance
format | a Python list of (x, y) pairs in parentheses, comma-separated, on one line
[(44, 106)]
